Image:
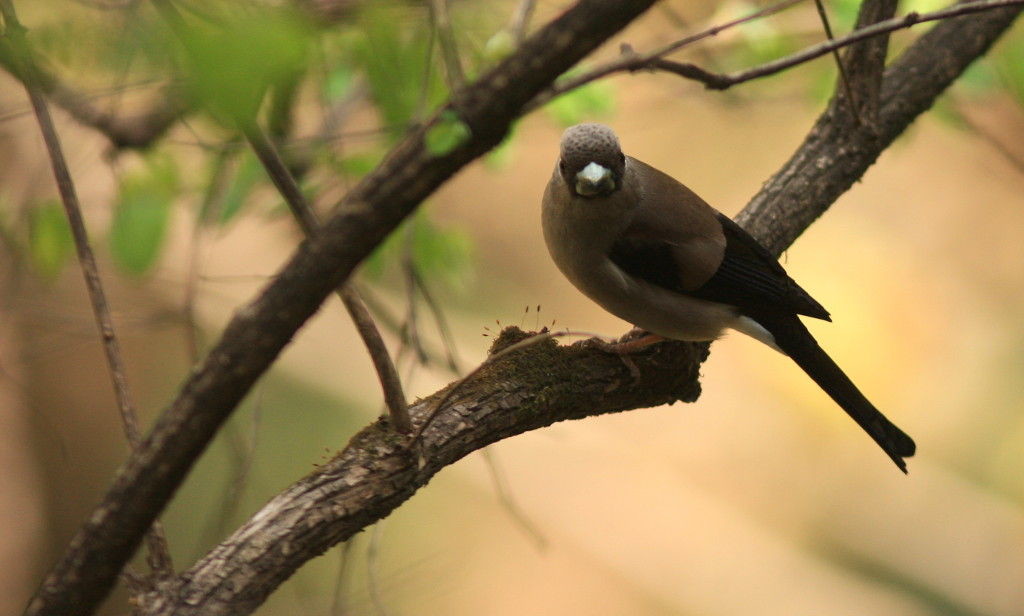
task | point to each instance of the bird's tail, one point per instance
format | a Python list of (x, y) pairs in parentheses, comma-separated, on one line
[(793, 338)]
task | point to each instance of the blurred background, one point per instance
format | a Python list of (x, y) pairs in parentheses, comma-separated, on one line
[(760, 498)]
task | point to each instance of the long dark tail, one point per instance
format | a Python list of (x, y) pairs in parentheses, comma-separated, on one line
[(792, 337)]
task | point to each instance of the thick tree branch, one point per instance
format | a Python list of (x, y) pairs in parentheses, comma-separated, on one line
[(261, 329), (864, 62), (377, 471), (836, 154), (548, 383)]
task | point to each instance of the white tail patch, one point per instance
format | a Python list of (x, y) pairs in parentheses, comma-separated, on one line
[(750, 327)]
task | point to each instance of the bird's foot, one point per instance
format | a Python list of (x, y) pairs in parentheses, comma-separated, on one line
[(633, 341)]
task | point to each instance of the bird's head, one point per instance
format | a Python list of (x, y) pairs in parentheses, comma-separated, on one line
[(591, 162)]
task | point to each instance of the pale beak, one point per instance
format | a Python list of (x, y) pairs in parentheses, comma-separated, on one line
[(593, 180)]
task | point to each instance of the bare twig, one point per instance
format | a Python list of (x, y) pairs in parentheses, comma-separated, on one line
[(259, 330), (447, 340), (864, 64), (630, 61), (843, 78), (727, 80), (159, 553), (504, 492), (986, 135), (123, 131), (521, 19), (390, 383), (375, 472), (449, 49), (372, 565)]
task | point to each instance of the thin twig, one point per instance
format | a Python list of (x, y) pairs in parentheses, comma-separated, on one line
[(723, 81), (338, 596), (372, 561), (979, 131), (14, 31), (282, 178), (631, 61), (504, 492), (843, 78), (447, 340), (521, 20), (449, 49)]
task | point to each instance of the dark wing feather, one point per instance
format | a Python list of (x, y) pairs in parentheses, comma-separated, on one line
[(748, 276), (751, 279), (648, 259)]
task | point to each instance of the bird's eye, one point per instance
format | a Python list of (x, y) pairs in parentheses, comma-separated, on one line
[(561, 166), (622, 158)]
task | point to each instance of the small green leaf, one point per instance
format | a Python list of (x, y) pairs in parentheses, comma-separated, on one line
[(231, 66), (500, 45), (358, 165), (393, 53), (247, 176), (141, 216), (1008, 59), (442, 253), (49, 238), (593, 100), (338, 83), (498, 158), (447, 134), (948, 113)]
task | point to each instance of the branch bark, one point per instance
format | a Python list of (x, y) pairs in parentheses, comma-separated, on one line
[(377, 471), (261, 329)]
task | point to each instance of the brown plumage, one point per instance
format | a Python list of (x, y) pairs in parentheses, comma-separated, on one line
[(652, 252)]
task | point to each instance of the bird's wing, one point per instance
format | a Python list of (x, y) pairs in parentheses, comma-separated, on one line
[(679, 242)]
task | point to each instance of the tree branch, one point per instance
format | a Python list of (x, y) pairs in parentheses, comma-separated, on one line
[(124, 131), (835, 153), (261, 329), (547, 383), (376, 472), (865, 62), (14, 33), (391, 384), (633, 62)]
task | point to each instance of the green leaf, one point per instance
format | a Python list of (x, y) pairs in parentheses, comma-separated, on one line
[(1008, 59), (358, 165), (443, 254), (394, 54), (49, 238), (141, 216), (247, 176), (498, 47), (498, 158), (231, 66), (593, 100), (338, 83), (447, 134)]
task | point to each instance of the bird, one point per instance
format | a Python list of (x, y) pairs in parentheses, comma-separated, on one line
[(650, 251)]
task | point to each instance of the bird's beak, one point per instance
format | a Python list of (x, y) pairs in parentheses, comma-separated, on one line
[(593, 180)]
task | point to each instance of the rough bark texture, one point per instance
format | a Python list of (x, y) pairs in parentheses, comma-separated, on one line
[(538, 386), (527, 390), (837, 152), (260, 330)]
